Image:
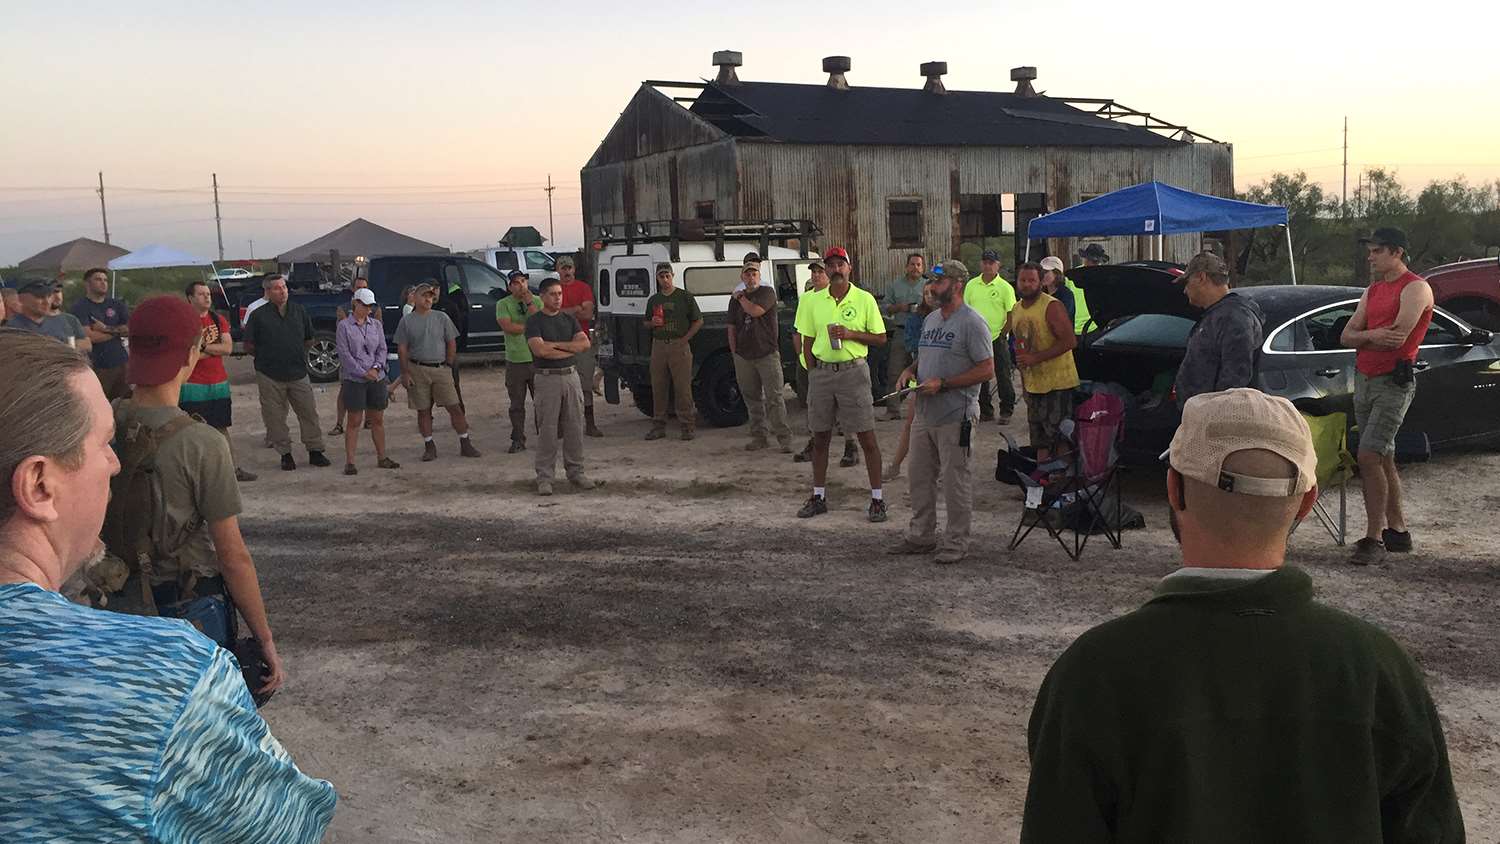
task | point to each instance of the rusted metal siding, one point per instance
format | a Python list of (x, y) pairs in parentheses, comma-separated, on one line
[(652, 123), (641, 188)]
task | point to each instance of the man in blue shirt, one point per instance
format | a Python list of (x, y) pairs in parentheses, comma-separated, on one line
[(105, 320), (115, 727)]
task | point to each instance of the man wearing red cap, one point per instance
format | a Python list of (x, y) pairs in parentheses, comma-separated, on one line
[(200, 499)]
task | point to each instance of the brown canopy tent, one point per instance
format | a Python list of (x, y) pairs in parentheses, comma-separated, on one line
[(75, 256), (359, 238)]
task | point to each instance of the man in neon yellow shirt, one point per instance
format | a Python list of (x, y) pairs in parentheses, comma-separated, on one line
[(836, 328), (993, 297)]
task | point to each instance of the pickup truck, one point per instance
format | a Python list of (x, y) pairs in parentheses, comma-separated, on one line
[(1470, 289), (458, 276)]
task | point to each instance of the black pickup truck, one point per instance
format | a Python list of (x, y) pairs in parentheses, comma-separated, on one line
[(479, 285)]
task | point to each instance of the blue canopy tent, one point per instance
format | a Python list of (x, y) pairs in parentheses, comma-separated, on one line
[(1157, 209)]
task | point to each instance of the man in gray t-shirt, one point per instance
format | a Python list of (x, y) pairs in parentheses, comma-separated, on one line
[(953, 359), (427, 346)]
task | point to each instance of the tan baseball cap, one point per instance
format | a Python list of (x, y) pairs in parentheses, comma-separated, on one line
[(1054, 263), (1216, 425)]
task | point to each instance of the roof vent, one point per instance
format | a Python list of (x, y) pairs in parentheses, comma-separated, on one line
[(836, 67), (934, 72), (728, 60), (1022, 76)]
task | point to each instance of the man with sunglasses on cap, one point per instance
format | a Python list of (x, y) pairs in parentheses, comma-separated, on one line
[(837, 327), (1232, 707), (993, 297), (35, 314), (1386, 329), (511, 314)]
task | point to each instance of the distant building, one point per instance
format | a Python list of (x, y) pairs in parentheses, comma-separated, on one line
[(889, 171)]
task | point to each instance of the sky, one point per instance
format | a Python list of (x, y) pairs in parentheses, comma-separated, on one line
[(444, 120)]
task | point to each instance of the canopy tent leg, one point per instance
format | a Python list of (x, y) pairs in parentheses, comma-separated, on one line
[(1028, 250), (1291, 259)]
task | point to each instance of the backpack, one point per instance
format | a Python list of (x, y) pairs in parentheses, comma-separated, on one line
[(135, 520)]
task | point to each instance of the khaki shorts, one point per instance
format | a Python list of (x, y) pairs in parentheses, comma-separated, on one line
[(1379, 409), (840, 396), (431, 385)]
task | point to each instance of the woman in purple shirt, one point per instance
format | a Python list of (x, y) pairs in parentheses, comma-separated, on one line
[(362, 373)]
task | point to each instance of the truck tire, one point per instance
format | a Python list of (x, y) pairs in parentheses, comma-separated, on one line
[(641, 395), (323, 358), (717, 393)]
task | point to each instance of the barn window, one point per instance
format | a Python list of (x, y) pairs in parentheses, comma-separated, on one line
[(905, 222), (704, 211), (979, 215)]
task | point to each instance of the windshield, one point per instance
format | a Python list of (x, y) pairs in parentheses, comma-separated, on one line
[(1162, 331)]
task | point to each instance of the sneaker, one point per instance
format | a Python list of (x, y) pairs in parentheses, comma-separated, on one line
[(851, 455), (815, 506), (429, 452), (582, 482), (687, 434), (466, 448), (786, 446), (244, 477), (656, 433), (388, 463), (1004, 417), (349, 469), (1396, 541), (319, 459), (1367, 551), (336, 430), (543, 487), (892, 472), (516, 446), (949, 556), (287, 463), (805, 455), (756, 445), (876, 513), (906, 546)]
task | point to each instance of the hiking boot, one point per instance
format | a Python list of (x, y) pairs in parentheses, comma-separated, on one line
[(1367, 551), (906, 546), (467, 449), (815, 506), (892, 472), (429, 451), (543, 487), (244, 477), (1396, 541), (949, 556), (687, 434), (756, 444), (656, 432), (805, 455), (287, 463), (851, 455), (582, 482), (349, 469), (336, 430), (876, 512), (388, 463), (986, 414), (786, 446), (589, 428), (319, 459), (515, 446), (1004, 418)]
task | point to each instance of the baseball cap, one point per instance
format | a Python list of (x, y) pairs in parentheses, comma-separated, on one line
[(364, 296), (815, 265), (952, 268), (751, 258), (425, 285), (163, 330), (663, 267), (1386, 236), (990, 255), (564, 261), (37, 286), (515, 274), (836, 252), (1054, 263), (1216, 425), (1204, 262)]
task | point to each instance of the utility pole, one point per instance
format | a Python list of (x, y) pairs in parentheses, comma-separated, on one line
[(551, 234), (1344, 195), (103, 214), (252, 249), (218, 223)]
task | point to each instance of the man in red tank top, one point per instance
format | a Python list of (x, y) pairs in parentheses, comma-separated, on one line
[(1386, 329)]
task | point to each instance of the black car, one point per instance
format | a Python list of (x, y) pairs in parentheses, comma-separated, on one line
[(1147, 318)]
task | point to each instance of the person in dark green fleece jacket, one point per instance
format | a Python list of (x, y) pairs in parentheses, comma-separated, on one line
[(1232, 707)]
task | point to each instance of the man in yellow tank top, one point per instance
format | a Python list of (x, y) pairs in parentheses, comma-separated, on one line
[(1044, 354)]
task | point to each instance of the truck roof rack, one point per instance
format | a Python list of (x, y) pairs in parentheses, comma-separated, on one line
[(674, 232)]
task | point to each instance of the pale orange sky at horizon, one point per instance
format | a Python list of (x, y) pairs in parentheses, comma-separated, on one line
[(445, 124)]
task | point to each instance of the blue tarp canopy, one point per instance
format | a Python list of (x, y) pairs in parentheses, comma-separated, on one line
[(1154, 208)]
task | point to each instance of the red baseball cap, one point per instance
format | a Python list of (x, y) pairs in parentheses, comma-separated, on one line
[(836, 252), (163, 330)]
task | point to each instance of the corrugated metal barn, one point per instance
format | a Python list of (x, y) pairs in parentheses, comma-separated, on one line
[(889, 171)]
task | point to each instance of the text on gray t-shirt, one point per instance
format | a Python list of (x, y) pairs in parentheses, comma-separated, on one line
[(950, 347), (426, 335)]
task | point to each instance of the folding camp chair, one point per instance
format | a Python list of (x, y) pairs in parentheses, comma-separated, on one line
[(1071, 493), (1330, 434)]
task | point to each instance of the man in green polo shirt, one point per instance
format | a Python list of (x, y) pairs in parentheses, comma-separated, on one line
[(520, 377), (993, 297), (674, 318), (836, 328)]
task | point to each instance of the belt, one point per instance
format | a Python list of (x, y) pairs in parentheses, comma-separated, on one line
[(819, 363), (433, 365), (554, 370)]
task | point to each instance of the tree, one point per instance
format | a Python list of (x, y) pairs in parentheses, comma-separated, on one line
[(1385, 201), (1307, 207)]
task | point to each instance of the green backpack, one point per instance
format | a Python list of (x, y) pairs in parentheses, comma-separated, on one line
[(135, 521)]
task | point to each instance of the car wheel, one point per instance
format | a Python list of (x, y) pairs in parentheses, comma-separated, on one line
[(718, 393), (323, 358), (641, 395)]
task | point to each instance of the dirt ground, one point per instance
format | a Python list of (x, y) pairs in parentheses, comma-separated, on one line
[(675, 657)]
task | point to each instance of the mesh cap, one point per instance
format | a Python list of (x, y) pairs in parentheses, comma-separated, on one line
[(1216, 425)]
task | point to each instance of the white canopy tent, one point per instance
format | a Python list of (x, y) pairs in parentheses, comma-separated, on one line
[(155, 256)]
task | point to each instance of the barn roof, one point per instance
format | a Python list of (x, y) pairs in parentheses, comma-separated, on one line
[(818, 114)]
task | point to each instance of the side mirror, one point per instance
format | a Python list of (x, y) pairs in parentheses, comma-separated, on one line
[(1478, 337)]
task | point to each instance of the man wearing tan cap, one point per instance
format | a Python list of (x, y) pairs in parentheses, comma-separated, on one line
[(1224, 345), (1232, 707)]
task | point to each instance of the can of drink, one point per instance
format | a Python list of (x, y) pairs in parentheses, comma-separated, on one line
[(834, 342), (659, 316)]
